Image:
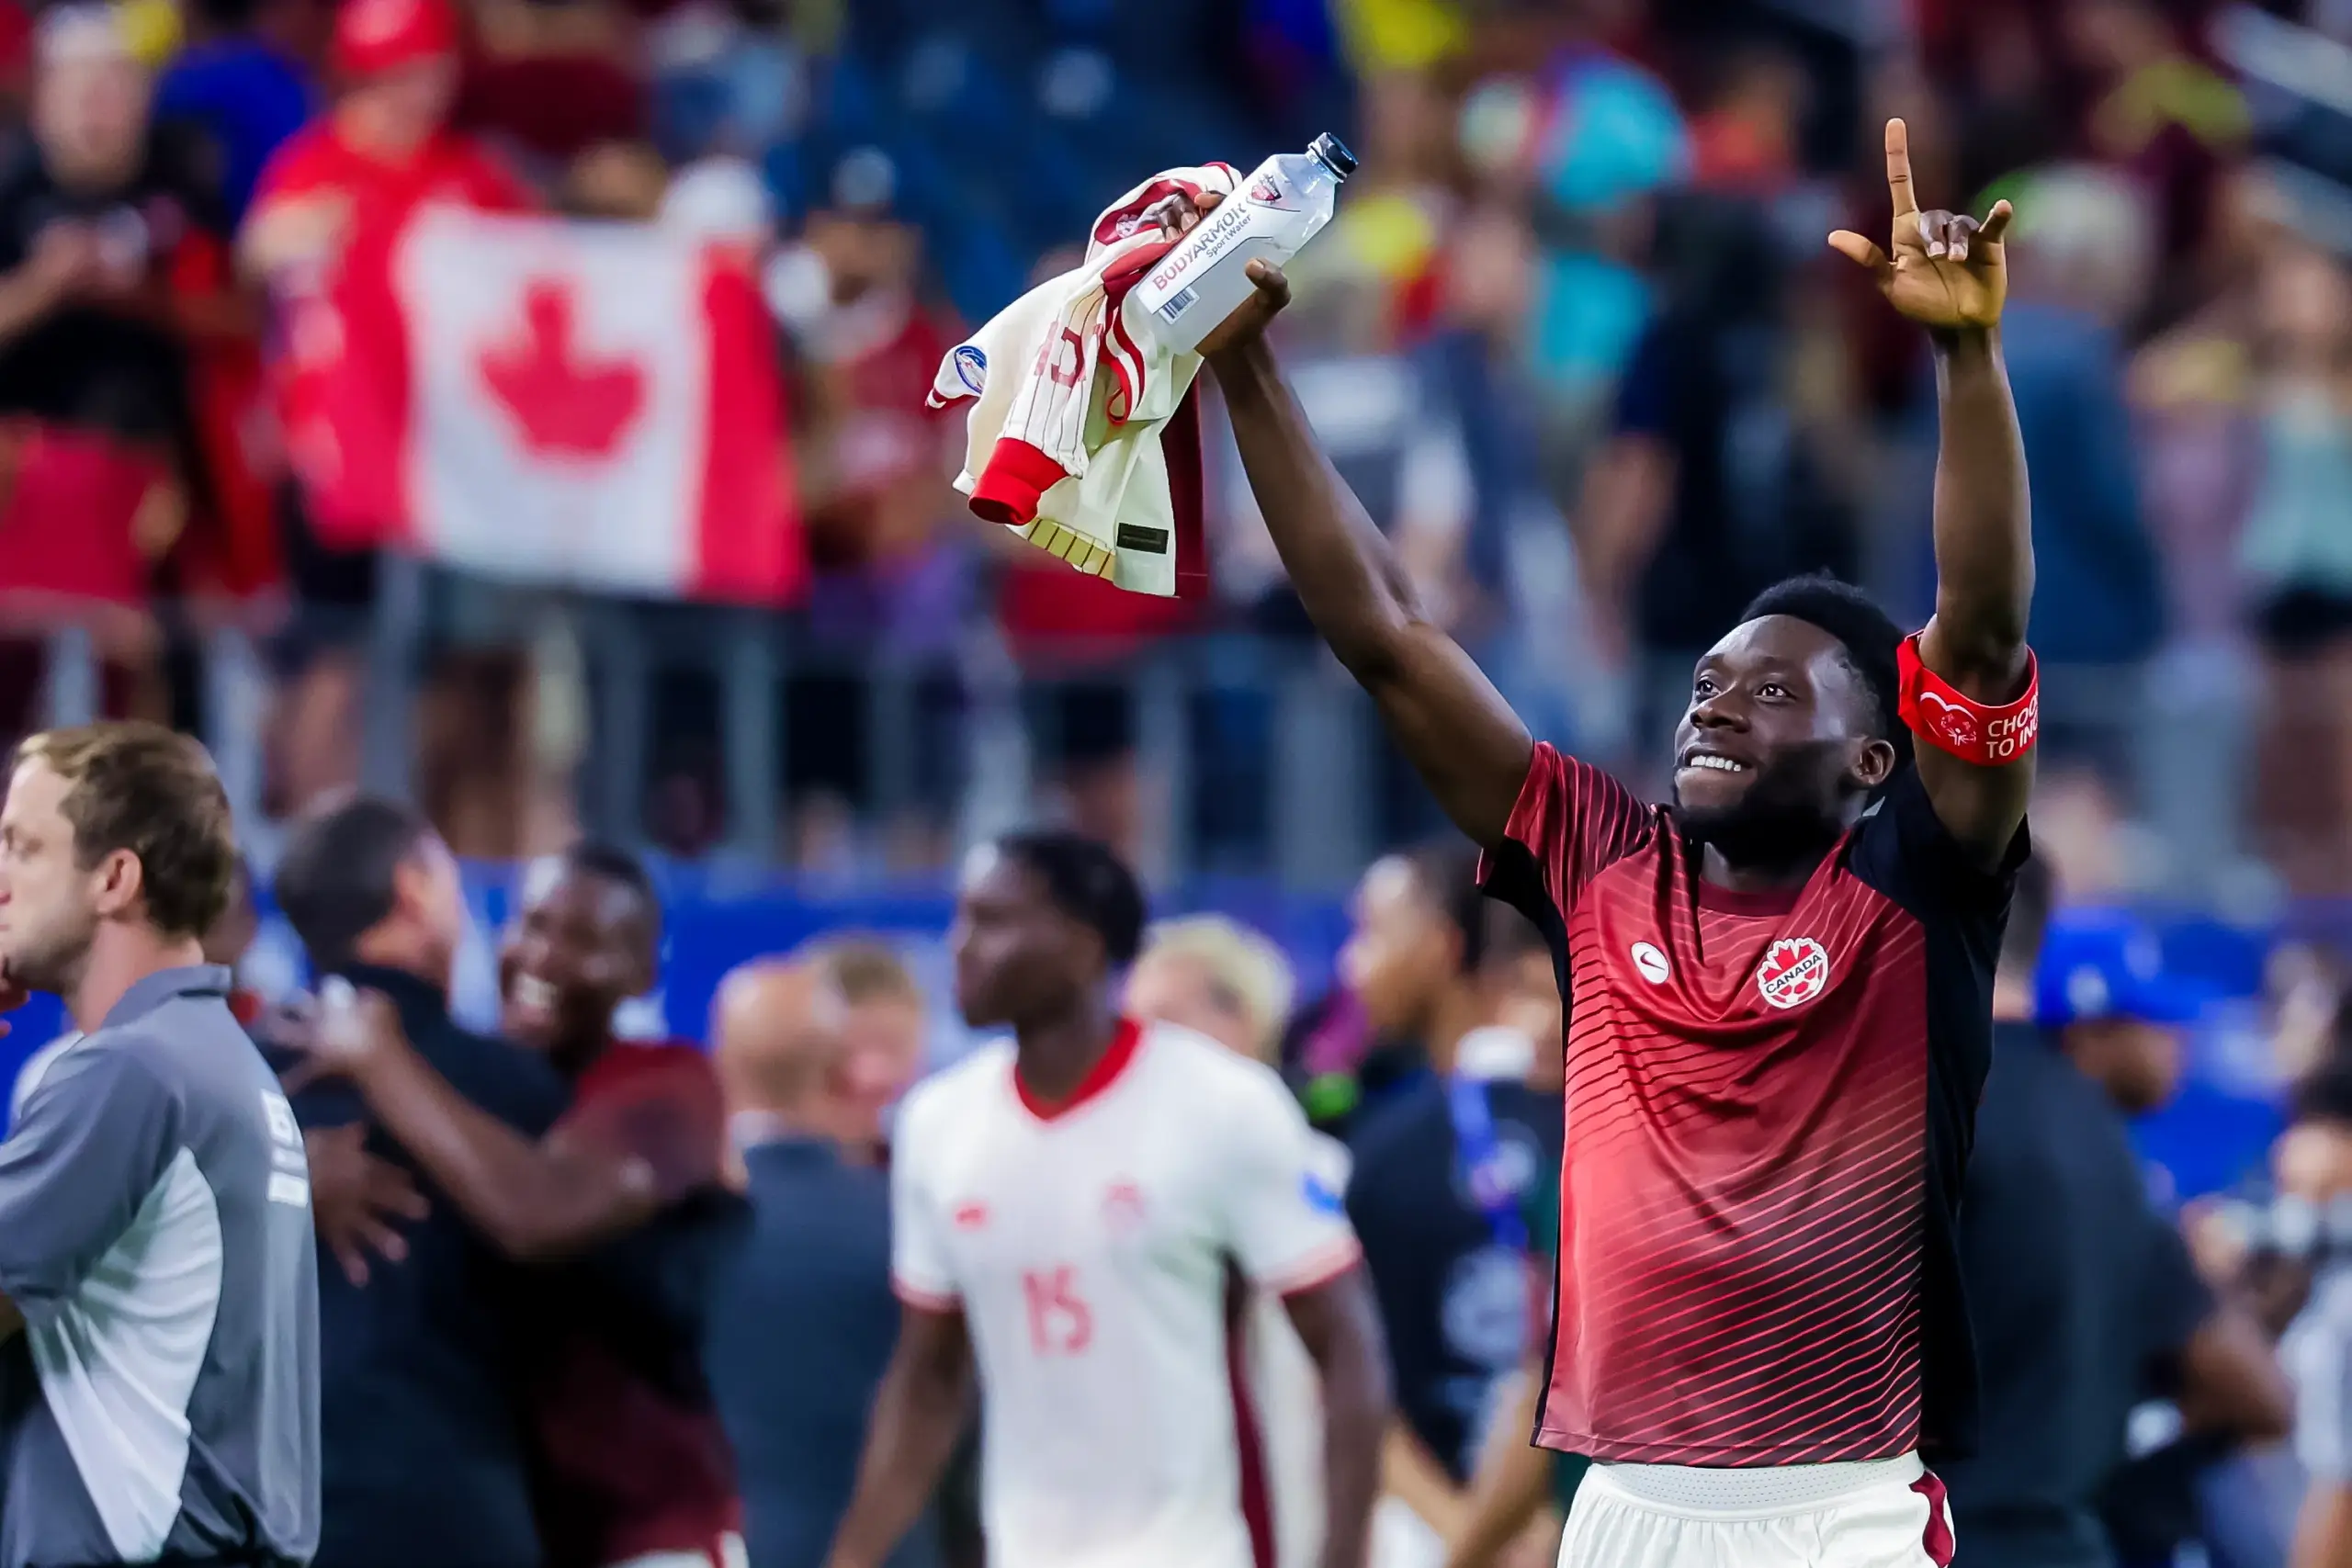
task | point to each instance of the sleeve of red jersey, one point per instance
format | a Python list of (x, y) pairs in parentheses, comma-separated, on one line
[(1571, 822), (1285, 1217), (669, 1114), (1904, 850), (919, 1267)]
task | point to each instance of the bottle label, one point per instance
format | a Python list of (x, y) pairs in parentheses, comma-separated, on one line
[(1176, 305), (1268, 190), (1227, 224)]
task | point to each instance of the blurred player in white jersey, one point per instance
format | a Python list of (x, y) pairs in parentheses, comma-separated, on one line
[(1217, 977), (1074, 1216)]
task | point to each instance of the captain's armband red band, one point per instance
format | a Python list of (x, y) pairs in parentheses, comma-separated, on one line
[(1946, 718)]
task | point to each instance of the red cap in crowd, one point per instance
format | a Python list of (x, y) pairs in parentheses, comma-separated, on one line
[(375, 36)]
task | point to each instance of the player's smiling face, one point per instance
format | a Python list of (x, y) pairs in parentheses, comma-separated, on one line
[(575, 951), (1777, 737)]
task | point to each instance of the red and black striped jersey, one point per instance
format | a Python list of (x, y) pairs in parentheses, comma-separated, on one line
[(1770, 1104)]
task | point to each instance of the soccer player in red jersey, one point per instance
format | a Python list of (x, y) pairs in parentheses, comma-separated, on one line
[(635, 1464), (1778, 983)]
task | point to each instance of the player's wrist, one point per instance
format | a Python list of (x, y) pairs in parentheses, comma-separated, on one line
[(1967, 346), (1247, 362)]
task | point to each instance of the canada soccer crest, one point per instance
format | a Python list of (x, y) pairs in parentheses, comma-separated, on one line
[(1123, 1207), (1795, 971)]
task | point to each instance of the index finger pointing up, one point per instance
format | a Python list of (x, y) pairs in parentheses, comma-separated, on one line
[(1898, 169)]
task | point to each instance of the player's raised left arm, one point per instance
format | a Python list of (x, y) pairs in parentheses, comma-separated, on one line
[(1971, 701)]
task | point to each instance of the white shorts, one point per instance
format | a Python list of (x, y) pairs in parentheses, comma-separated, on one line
[(727, 1551), (1882, 1514)]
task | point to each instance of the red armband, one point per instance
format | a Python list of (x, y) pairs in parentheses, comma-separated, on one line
[(1950, 720)]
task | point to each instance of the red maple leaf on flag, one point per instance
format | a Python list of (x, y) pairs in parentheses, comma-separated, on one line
[(565, 403)]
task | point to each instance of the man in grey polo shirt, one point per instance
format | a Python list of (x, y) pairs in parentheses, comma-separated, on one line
[(158, 1288)]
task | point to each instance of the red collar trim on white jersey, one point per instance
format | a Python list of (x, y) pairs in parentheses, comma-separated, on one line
[(1105, 1071)]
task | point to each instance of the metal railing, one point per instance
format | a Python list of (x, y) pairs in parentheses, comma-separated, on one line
[(1255, 755)]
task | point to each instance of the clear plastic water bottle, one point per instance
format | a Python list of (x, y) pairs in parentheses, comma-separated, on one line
[(1283, 203)]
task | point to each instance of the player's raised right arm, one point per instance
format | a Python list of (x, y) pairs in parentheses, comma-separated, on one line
[(1452, 724)]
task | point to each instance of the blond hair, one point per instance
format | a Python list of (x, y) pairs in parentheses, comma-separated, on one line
[(1243, 961), (862, 969)]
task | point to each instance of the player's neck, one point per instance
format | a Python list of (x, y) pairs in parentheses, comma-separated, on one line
[(1776, 873), (1054, 1056), (120, 956)]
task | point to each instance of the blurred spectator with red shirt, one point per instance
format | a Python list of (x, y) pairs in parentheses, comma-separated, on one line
[(104, 223), (892, 569), (330, 205), (551, 83)]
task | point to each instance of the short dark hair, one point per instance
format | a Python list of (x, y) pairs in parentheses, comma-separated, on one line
[(1867, 633), (2030, 901), (1447, 871), (151, 791), (335, 881), (1087, 882), (609, 861)]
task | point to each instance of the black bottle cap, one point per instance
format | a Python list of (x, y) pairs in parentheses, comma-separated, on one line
[(1334, 152)]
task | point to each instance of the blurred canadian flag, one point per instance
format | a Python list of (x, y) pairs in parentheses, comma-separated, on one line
[(583, 405)]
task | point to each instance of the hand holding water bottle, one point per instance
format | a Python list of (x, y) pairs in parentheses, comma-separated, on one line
[(1228, 252)]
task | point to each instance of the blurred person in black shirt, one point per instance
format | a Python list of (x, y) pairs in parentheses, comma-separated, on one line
[(1443, 1161), (2083, 1298), (94, 209), (1727, 471), (421, 1399), (113, 263)]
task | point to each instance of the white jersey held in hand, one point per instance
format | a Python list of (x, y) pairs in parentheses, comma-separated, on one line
[(1090, 1247)]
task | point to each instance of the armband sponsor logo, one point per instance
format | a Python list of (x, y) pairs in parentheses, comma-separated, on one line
[(2013, 735), (1952, 723), (1961, 728)]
